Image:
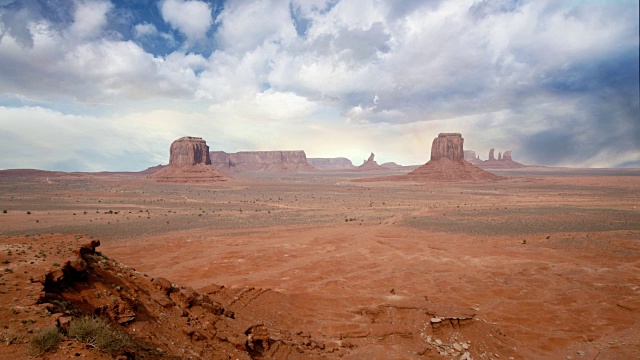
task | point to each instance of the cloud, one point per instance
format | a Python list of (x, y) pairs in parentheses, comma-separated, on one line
[(146, 29), (89, 18), (190, 17), (239, 31), (556, 82)]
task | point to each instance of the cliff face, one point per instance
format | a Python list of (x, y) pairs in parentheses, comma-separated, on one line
[(330, 163), (189, 150), (269, 161), (188, 163), (447, 163), (448, 145)]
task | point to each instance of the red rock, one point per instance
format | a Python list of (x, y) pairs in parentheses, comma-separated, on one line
[(491, 154), (447, 163), (163, 285), (189, 162), (370, 164), (189, 150), (267, 161), (64, 321), (448, 145)]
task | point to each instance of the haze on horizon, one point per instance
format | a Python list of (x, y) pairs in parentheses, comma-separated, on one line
[(108, 85)]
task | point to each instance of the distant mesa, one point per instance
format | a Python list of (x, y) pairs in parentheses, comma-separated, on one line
[(339, 163), (504, 160), (370, 164), (189, 162), (261, 161)]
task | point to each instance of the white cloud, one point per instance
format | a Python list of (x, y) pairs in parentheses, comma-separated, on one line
[(89, 18), (246, 25), (145, 29), (190, 17)]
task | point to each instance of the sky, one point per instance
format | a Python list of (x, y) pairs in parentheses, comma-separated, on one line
[(108, 85)]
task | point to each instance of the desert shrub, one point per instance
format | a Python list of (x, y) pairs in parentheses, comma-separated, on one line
[(98, 333), (4, 211), (44, 341)]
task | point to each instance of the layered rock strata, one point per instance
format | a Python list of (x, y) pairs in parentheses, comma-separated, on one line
[(331, 163), (267, 161)]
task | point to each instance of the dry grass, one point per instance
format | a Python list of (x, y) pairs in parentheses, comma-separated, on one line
[(44, 341), (98, 333)]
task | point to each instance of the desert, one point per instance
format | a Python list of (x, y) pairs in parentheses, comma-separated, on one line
[(541, 264), (319, 179)]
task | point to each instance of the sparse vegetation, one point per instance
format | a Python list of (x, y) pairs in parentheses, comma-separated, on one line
[(97, 332), (44, 341), (4, 211), (28, 212)]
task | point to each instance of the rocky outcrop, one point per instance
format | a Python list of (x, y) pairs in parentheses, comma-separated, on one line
[(504, 160), (189, 162), (267, 161), (189, 150), (370, 164), (331, 163), (448, 145)]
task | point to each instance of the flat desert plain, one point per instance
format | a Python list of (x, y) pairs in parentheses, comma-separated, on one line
[(544, 264)]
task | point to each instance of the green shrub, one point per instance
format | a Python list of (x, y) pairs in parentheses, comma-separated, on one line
[(44, 341), (100, 334)]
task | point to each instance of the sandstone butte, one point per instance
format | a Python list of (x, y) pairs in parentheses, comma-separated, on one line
[(263, 161), (448, 164), (189, 162)]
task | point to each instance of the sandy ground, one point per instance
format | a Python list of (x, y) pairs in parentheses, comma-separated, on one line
[(540, 265)]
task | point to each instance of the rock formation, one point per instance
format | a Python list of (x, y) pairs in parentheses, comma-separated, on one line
[(338, 163), (189, 150), (370, 164), (267, 161), (491, 154), (189, 162), (507, 156), (504, 160), (447, 145), (447, 163)]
